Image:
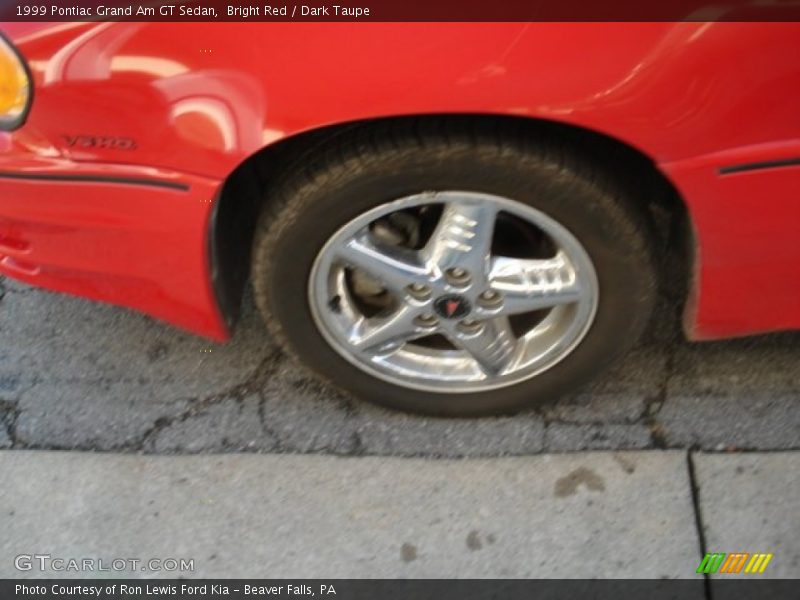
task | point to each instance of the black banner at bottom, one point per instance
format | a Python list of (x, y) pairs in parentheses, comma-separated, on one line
[(390, 589)]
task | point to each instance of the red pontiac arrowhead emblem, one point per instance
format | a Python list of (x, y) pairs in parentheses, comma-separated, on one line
[(451, 306)]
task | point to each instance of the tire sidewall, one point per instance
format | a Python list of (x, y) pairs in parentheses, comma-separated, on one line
[(611, 235)]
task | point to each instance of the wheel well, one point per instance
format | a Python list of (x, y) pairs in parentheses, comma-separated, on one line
[(243, 192)]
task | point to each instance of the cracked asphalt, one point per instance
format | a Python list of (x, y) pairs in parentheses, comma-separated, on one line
[(81, 375)]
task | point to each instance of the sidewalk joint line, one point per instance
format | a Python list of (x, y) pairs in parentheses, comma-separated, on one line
[(698, 519)]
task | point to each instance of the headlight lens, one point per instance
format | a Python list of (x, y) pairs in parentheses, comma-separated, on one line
[(15, 87)]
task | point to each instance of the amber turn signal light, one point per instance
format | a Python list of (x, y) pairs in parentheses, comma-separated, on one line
[(15, 87)]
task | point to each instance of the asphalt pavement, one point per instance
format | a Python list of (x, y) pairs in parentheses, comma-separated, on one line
[(81, 375)]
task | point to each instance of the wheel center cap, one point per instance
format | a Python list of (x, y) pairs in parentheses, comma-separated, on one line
[(452, 306)]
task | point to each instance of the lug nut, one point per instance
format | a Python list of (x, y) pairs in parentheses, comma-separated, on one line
[(426, 321), (419, 291), (457, 276), (469, 326), (490, 299)]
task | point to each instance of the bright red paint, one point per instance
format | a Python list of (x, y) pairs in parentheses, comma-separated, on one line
[(199, 98)]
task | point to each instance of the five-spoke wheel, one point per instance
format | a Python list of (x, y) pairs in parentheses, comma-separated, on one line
[(446, 310), (461, 271)]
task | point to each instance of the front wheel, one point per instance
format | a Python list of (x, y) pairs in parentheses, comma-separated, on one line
[(458, 275)]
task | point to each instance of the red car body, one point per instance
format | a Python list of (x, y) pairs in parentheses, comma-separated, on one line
[(110, 188)]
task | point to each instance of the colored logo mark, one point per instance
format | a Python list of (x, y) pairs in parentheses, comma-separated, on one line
[(719, 562)]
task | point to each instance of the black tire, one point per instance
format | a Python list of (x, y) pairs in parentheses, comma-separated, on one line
[(373, 167)]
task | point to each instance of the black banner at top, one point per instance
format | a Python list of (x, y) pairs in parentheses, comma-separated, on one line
[(400, 10)]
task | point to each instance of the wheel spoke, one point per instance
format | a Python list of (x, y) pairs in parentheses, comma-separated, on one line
[(393, 267), (377, 334), (533, 284), (463, 237), (492, 346)]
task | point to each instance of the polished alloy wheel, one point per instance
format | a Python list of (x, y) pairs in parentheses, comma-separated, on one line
[(453, 292)]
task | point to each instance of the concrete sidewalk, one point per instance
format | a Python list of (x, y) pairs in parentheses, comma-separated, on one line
[(625, 514)]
